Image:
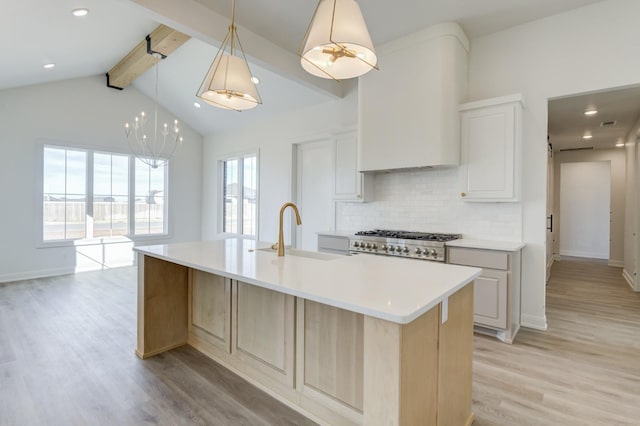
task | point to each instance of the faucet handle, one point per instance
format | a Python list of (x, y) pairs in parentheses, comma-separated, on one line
[(274, 246)]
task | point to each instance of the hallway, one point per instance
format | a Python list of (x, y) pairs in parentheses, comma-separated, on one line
[(585, 370)]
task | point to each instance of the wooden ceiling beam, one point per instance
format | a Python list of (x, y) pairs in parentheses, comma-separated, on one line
[(163, 40)]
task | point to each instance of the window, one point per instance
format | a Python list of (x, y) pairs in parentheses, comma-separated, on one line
[(149, 199), (64, 193), (110, 195), (240, 195), (88, 194)]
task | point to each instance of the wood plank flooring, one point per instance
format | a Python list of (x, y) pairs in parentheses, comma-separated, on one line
[(66, 358), (584, 370)]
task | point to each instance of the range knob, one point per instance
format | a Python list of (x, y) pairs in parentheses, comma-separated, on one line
[(356, 244), (418, 250), (405, 250), (434, 253), (390, 247), (367, 246), (384, 247), (398, 249), (374, 246)]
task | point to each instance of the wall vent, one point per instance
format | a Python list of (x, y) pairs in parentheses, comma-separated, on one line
[(576, 149), (608, 123)]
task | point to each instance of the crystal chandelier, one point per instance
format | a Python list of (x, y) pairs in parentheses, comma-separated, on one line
[(154, 149), (228, 82)]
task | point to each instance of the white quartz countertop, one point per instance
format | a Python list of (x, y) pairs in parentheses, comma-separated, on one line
[(397, 290), (487, 245)]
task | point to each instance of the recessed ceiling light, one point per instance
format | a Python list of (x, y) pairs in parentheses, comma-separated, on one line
[(197, 105), (591, 112), (587, 136), (80, 12), (255, 80), (49, 66)]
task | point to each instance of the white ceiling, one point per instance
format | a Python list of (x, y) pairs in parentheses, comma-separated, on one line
[(567, 122), (35, 32)]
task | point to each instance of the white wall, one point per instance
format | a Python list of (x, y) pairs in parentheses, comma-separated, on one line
[(616, 157), (591, 48), (585, 200), (81, 112), (274, 139)]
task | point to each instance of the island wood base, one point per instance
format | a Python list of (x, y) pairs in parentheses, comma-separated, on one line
[(335, 366)]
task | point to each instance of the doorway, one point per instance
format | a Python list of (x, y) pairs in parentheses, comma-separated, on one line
[(585, 209)]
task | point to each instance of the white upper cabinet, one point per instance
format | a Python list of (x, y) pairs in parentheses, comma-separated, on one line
[(408, 110), (491, 138), (349, 183)]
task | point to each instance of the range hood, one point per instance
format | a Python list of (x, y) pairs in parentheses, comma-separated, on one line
[(408, 110)]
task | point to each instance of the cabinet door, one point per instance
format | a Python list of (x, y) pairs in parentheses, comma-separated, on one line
[(489, 137), (332, 352), (348, 182), (490, 299), (263, 331), (211, 309)]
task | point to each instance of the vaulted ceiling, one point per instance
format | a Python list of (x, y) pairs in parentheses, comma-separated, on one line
[(35, 32)]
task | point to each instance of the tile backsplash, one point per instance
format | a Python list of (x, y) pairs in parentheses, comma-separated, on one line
[(427, 201)]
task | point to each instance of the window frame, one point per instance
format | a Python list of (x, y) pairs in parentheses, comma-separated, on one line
[(221, 191), (40, 242)]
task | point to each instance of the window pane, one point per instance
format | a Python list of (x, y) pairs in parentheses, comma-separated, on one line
[(53, 215), (149, 199), (120, 174), (54, 170), (110, 208), (64, 195), (75, 217), (76, 172), (230, 196), (249, 191)]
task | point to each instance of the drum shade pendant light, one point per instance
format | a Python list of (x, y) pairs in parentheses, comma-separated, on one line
[(337, 44), (228, 82)]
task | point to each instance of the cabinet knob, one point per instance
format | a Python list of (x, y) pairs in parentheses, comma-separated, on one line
[(463, 194)]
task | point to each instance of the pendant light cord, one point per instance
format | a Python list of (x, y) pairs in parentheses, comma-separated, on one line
[(233, 25), (155, 109)]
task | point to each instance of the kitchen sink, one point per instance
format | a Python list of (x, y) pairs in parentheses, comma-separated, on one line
[(302, 253)]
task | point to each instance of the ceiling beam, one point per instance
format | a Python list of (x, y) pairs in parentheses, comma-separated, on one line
[(197, 20), (163, 40)]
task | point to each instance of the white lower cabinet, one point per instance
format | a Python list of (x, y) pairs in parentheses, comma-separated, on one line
[(496, 301), (490, 298)]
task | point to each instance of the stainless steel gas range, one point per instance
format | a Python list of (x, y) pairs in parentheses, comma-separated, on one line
[(414, 245)]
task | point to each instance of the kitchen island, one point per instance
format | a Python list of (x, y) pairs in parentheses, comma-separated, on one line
[(343, 339)]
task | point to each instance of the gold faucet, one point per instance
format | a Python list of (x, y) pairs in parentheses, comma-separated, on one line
[(280, 235)]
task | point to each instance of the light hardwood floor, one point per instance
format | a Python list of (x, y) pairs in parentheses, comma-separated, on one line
[(585, 370), (66, 358)]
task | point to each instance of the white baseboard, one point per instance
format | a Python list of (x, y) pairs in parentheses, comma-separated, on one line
[(629, 279), (616, 263), (590, 255), (31, 275), (534, 321)]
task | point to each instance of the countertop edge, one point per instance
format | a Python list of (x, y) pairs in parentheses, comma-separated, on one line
[(371, 312), (510, 246)]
